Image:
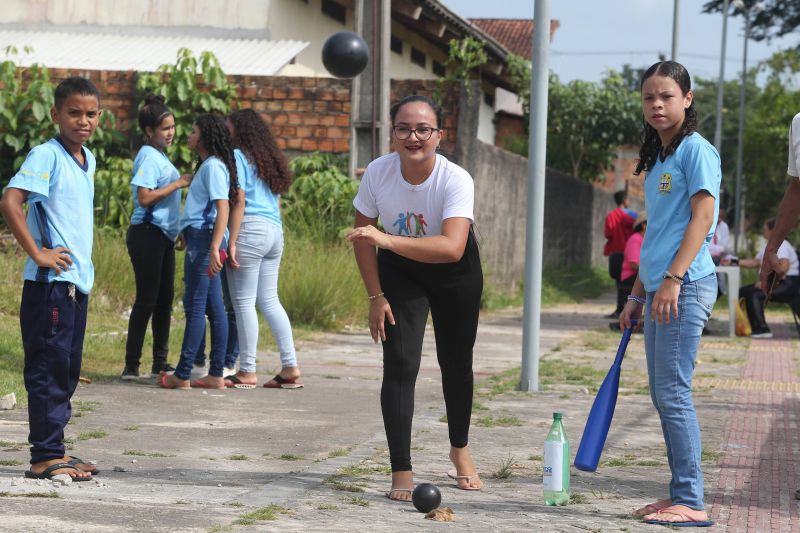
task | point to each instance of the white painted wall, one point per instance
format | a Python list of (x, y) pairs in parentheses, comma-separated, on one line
[(486, 131), (231, 14)]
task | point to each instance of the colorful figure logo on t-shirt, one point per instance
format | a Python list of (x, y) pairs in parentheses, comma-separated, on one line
[(665, 183), (404, 224)]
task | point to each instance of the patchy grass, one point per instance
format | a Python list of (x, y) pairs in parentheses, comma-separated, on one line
[(131, 428), (477, 406), (505, 471), (217, 529), (337, 484), (235, 504), (11, 443), (535, 458), (356, 500), (711, 455), (561, 372), (269, 512), (339, 452), (290, 457), (577, 497), (328, 507), (51, 494), (141, 453), (10, 462), (238, 457), (443, 419), (363, 470), (506, 421), (90, 435), (648, 462)]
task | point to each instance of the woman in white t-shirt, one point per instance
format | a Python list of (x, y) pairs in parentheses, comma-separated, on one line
[(427, 259)]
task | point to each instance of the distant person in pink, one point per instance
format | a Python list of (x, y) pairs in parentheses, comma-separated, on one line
[(630, 262)]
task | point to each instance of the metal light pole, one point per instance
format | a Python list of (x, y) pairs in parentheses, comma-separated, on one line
[(531, 316), (675, 25), (721, 83), (738, 208)]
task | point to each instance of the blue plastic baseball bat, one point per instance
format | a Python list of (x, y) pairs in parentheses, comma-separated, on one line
[(596, 429)]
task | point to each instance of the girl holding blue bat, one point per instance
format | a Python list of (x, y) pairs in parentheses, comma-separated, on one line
[(676, 286)]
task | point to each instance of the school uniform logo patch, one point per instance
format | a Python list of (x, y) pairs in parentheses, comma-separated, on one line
[(665, 183)]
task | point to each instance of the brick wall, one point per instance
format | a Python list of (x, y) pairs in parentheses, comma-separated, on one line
[(305, 114)]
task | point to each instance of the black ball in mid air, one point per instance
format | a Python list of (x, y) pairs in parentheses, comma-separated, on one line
[(345, 54)]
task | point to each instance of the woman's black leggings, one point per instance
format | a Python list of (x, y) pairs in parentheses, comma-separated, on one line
[(452, 293), (153, 258)]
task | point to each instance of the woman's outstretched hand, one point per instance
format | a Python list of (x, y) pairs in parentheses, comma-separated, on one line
[(369, 234)]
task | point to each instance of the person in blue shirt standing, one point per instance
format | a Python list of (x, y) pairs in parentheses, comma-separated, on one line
[(155, 186), (57, 182), (256, 246), (676, 285), (205, 227)]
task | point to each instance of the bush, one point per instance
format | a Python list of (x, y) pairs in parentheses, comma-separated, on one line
[(113, 201), (320, 201)]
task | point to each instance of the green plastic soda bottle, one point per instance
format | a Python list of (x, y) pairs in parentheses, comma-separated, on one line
[(555, 471)]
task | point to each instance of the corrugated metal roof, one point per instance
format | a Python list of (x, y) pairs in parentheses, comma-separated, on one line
[(91, 51)]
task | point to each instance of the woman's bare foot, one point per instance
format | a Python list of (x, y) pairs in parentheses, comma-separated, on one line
[(209, 382), (290, 372), (651, 508), (402, 485), (171, 381), (466, 474), (38, 468)]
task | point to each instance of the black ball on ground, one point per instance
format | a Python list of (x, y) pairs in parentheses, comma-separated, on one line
[(426, 497), (345, 54)]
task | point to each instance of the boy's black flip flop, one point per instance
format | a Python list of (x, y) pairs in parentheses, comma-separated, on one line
[(75, 461), (48, 472)]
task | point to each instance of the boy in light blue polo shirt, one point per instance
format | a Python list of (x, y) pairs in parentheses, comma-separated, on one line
[(57, 182)]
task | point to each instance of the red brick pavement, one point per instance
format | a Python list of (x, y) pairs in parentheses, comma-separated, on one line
[(759, 472)]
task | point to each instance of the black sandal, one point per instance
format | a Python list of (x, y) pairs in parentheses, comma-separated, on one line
[(47, 473)]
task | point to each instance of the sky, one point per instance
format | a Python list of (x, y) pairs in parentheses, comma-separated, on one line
[(592, 40)]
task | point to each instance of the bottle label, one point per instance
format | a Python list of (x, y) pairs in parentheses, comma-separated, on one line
[(553, 466)]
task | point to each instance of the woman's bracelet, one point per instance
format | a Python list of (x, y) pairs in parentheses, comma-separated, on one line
[(673, 277), (634, 298), (374, 296)]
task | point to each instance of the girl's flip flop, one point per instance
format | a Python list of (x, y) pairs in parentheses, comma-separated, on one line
[(162, 380), (453, 474), (236, 383), (279, 382)]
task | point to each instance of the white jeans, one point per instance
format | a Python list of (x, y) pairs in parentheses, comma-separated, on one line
[(255, 283)]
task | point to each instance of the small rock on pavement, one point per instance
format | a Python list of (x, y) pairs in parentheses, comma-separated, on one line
[(8, 402), (119, 469), (62, 479)]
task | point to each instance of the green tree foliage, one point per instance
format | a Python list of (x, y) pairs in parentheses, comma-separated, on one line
[(587, 122), (191, 86), (320, 201), (779, 17), (26, 97), (519, 70), (464, 57), (768, 112)]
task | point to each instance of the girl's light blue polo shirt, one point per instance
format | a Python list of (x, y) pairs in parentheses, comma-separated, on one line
[(211, 183), (152, 170), (259, 199), (668, 188), (61, 210)]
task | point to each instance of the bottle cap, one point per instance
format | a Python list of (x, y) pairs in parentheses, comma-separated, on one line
[(556, 416)]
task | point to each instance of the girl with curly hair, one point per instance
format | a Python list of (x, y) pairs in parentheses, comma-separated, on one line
[(205, 228), (256, 246), (155, 185), (676, 286)]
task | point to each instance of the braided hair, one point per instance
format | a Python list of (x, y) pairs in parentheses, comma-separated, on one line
[(216, 139), (651, 141), (254, 138)]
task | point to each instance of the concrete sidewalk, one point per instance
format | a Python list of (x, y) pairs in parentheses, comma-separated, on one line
[(316, 457)]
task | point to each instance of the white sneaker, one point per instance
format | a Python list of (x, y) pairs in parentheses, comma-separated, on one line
[(764, 335), (198, 372)]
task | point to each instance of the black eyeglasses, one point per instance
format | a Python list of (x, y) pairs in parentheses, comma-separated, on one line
[(422, 134)]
